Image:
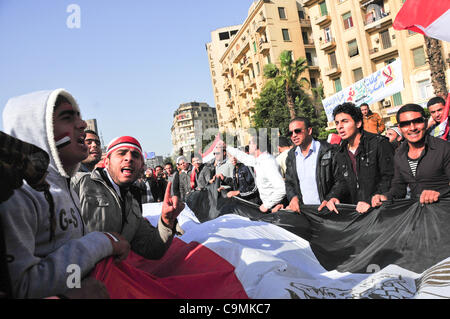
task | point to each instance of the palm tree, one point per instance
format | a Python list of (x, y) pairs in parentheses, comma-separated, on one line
[(288, 74), (437, 66)]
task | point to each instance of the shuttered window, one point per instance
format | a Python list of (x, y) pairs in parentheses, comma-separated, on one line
[(337, 85), (348, 21), (353, 48), (323, 8), (419, 56)]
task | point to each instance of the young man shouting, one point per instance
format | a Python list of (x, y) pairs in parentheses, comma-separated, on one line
[(365, 161)]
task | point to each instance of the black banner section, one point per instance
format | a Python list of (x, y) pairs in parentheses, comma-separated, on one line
[(403, 232)]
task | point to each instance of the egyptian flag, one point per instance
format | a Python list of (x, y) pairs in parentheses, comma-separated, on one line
[(230, 250), (429, 17), (208, 155)]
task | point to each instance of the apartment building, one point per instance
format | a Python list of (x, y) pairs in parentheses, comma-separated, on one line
[(355, 38), (220, 40), (270, 28), (190, 121)]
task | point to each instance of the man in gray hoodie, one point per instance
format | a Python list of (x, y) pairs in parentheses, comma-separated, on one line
[(49, 250)]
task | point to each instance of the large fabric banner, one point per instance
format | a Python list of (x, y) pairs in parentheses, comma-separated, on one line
[(231, 250), (374, 88)]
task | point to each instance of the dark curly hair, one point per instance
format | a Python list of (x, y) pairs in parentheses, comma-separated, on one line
[(352, 110)]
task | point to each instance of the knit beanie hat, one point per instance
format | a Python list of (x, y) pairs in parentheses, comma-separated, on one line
[(123, 141)]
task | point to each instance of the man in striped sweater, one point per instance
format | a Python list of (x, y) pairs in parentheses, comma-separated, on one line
[(422, 163)]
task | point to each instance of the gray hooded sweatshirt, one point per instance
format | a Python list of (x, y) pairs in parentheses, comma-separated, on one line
[(38, 262)]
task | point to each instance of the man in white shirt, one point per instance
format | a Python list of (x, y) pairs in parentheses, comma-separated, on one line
[(271, 187)]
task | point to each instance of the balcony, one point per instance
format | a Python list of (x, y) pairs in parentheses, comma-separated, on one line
[(323, 20), (227, 85), (305, 23), (373, 24), (264, 47), (332, 71), (242, 92), (261, 26), (225, 70), (377, 54), (229, 102), (309, 3), (328, 44)]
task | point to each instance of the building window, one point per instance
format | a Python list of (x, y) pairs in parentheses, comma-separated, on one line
[(353, 48), (257, 68), (323, 8), (282, 13), (348, 21), (419, 56), (301, 15), (333, 61), (337, 85), (305, 37), (286, 36), (397, 99), (358, 74), (328, 37), (385, 39), (425, 89)]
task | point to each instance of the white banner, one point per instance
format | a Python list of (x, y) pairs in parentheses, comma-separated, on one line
[(374, 88)]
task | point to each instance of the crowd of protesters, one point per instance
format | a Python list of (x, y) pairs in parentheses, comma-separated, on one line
[(64, 203)]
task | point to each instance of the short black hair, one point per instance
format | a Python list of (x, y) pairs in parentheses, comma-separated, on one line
[(350, 109), (435, 100), (302, 119), (410, 108), (169, 163), (61, 99), (91, 132), (364, 104), (284, 141)]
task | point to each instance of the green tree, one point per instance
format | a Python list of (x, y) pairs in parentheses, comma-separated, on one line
[(271, 111), (288, 75)]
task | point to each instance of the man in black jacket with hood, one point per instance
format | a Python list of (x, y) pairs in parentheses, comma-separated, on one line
[(365, 162)]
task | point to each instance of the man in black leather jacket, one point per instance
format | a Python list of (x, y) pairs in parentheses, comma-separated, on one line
[(365, 162), (310, 169)]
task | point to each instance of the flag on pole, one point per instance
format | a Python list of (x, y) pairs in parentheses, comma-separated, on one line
[(446, 122), (430, 18), (208, 155)]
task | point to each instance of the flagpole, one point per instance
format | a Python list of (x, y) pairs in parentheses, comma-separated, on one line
[(445, 116)]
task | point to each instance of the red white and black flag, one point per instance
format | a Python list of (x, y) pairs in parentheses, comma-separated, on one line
[(231, 250), (429, 17)]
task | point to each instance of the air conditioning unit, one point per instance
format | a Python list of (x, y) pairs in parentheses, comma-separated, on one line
[(386, 103)]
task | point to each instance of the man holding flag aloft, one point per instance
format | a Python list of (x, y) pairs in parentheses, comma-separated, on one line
[(439, 121)]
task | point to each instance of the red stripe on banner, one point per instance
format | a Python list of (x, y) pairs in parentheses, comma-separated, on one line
[(419, 12), (187, 271)]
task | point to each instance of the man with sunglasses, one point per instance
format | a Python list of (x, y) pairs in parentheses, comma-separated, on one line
[(365, 162), (309, 167), (422, 163)]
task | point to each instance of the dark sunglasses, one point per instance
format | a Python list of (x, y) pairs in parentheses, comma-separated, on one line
[(419, 120), (297, 131)]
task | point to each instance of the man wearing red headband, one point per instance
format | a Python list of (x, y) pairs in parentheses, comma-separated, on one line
[(108, 204)]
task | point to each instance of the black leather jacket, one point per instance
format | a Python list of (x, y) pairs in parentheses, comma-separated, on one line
[(326, 171), (374, 167)]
